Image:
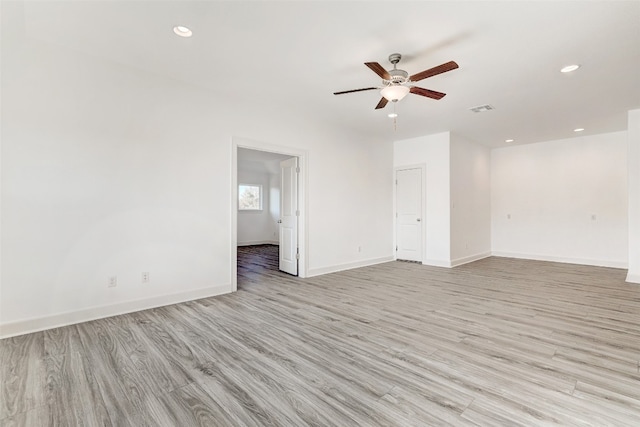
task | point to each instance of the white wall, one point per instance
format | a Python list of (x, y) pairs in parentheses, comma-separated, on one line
[(352, 206), (257, 227), (470, 201), (111, 171), (550, 190), (433, 151), (633, 144)]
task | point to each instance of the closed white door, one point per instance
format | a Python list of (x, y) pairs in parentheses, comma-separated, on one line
[(289, 216), (409, 214)]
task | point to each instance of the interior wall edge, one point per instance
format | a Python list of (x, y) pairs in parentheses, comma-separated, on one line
[(633, 277), (27, 326), (471, 258)]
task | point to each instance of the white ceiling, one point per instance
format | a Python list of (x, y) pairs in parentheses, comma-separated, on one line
[(294, 55)]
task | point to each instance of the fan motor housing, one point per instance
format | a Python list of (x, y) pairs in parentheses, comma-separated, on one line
[(398, 76), (394, 58)]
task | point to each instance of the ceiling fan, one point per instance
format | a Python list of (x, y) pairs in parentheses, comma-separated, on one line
[(396, 83)]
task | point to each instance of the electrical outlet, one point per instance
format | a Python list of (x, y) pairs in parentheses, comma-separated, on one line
[(112, 282), (359, 248), (145, 277)]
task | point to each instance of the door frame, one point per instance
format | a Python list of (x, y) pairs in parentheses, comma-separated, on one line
[(303, 233), (423, 214)]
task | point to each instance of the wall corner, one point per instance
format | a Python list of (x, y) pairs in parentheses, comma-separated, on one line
[(633, 153)]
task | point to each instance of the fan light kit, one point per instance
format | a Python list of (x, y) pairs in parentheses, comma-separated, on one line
[(396, 84), (394, 92), (182, 31)]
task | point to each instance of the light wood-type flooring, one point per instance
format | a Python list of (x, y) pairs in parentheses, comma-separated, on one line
[(499, 341)]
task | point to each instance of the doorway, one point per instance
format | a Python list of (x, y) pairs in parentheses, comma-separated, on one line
[(275, 225), (409, 214)]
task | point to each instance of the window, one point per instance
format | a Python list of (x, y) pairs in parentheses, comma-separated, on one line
[(249, 197)]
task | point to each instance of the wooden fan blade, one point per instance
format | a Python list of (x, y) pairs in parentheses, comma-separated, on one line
[(354, 90), (379, 70), (382, 103), (426, 92), (451, 65)]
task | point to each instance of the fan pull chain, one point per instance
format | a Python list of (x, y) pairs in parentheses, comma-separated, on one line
[(395, 116)]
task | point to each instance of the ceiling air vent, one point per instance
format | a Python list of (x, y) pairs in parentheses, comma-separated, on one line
[(482, 108)]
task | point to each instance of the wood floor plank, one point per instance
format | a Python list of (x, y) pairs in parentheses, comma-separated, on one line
[(23, 374), (60, 341), (192, 406), (40, 416), (128, 398), (75, 397), (495, 342), (260, 365), (522, 395), (158, 368)]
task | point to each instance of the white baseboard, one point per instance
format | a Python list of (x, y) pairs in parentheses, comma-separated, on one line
[(468, 259), (437, 263), (27, 326), (566, 260), (348, 266), (259, 242), (633, 277)]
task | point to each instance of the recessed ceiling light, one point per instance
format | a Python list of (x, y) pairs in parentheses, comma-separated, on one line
[(393, 115), (182, 31), (508, 140), (578, 129), (569, 68)]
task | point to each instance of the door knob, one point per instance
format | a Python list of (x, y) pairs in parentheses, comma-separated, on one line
[(418, 219)]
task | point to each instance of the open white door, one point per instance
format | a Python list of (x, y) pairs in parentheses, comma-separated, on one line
[(289, 216), (409, 214)]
